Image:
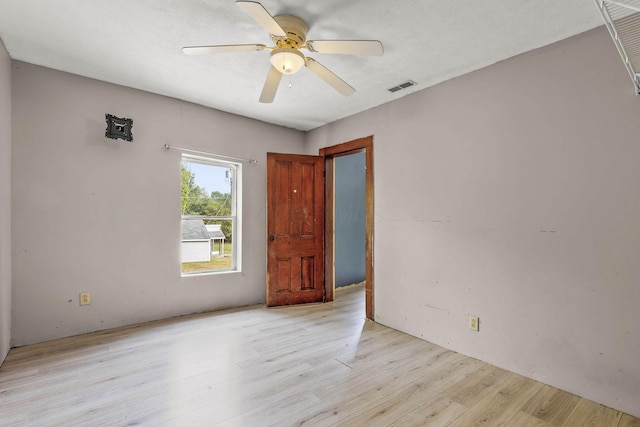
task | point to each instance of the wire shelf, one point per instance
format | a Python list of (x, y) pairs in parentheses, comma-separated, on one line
[(622, 19)]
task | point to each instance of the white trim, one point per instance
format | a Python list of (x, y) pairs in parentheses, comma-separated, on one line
[(236, 208)]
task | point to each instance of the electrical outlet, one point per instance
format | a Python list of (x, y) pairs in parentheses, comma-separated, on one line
[(474, 323), (85, 298)]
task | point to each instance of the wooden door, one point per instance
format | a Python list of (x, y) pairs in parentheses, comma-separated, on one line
[(295, 229)]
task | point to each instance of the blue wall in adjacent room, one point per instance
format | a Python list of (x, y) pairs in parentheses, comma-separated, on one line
[(349, 219)]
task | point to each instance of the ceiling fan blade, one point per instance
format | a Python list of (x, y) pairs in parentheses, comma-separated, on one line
[(347, 47), (201, 50), (270, 85), (330, 78), (262, 17)]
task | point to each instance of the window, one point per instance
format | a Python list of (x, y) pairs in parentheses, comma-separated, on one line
[(210, 237)]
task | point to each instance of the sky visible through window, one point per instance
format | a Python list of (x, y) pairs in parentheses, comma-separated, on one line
[(210, 178)]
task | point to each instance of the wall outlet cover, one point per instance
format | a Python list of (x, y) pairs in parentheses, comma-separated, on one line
[(474, 323), (85, 298)]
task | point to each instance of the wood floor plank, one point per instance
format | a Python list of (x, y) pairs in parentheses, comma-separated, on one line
[(264, 415), (551, 405), (378, 363), (344, 402), (440, 412), (587, 413), (470, 392), (522, 419), (629, 421), (268, 411), (321, 364), (413, 393), (502, 404)]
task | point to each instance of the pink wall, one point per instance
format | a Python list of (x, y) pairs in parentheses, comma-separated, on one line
[(513, 193), (5, 202), (103, 216)]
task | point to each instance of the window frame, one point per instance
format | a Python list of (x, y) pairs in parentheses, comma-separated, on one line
[(236, 212)]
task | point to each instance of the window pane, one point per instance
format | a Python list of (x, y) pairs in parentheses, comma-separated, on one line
[(209, 255), (206, 189), (208, 216)]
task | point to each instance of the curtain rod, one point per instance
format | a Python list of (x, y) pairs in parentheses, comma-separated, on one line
[(188, 150)]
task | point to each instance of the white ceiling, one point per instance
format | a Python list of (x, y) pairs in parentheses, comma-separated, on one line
[(137, 43)]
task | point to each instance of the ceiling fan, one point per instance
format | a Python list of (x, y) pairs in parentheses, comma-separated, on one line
[(289, 33)]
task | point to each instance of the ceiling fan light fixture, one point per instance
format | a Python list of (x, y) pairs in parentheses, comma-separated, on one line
[(287, 60), (289, 35)]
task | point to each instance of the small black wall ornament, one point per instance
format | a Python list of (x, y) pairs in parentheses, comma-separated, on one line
[(118, 128)]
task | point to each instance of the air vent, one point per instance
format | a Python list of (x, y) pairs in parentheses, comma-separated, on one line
[(401, 86)]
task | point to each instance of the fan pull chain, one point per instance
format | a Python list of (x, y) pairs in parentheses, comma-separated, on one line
[(290, 81)]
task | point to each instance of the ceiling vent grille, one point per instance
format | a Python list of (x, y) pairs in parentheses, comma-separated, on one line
[(622, 19), (401, 86)]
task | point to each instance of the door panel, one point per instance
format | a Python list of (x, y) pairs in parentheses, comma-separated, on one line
[(295, 227)]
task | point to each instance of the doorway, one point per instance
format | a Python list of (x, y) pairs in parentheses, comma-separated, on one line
[(362, 147), (349, 219)]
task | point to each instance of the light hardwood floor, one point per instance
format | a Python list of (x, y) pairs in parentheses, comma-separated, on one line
[(310, 365)]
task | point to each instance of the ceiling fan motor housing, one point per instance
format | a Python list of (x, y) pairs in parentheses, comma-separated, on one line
[(295, 28)]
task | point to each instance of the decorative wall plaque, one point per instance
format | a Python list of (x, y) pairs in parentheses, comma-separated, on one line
[(118, 128)]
